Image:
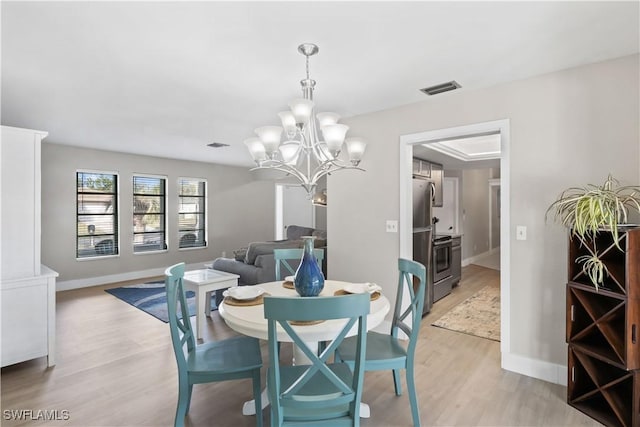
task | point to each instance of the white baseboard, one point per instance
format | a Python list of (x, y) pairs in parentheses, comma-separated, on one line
[(475, 258), (535, 368), (113, 278)]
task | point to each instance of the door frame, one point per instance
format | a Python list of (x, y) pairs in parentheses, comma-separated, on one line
[(494, 182), (279, 207), (406, 250)]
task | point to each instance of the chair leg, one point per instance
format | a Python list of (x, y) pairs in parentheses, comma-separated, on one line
[(396, 381), (257, 397), (413, 398), (189, 398), (183, 402)]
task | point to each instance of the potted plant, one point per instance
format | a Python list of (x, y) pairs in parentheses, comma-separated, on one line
[(591, 209)]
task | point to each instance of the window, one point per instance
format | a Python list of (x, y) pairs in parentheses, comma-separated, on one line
[(96, 214), (192, 220), (149, 219)]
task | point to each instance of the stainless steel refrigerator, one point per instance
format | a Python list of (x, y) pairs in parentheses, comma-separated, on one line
[(423, 193)]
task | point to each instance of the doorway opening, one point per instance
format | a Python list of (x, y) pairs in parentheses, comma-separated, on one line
[(293, 207), (407, 144)]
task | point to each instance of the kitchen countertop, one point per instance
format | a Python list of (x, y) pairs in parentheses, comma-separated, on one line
[(449, 234)]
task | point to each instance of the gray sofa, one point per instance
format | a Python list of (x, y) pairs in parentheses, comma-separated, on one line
[(255, 264)]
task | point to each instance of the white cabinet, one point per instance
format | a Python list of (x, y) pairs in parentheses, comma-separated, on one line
[(27, 289)]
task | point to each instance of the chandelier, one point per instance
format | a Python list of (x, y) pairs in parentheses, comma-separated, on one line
[(303, 154)]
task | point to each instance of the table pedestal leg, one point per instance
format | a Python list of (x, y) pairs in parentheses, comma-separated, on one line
[(249, 408)]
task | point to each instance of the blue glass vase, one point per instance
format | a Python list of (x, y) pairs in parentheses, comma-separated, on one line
[(309, 280)]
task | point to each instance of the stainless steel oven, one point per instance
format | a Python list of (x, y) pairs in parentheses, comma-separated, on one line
[(442, 257)]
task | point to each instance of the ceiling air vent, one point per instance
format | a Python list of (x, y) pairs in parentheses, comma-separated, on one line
[(443, 87), (217, 145)]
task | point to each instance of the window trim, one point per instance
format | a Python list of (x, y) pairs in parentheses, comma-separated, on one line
[(206, 212), (116, 215), (165, 213)]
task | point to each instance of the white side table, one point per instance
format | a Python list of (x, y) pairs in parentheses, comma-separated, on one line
[(202, 283)]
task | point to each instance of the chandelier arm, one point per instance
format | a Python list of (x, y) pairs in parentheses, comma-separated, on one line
[(287, 169), (320, 172), (315, 142)]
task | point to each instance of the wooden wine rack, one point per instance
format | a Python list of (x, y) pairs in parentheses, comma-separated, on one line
[(604, 353)]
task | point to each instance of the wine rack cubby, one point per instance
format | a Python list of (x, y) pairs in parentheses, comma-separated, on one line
[(602, 323)]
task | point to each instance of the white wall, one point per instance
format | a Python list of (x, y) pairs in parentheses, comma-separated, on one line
[(241, 210), (567, 128)]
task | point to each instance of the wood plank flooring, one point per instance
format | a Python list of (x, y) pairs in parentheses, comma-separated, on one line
[(115, 367)]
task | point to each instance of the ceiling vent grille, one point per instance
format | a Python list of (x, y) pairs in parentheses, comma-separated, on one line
[(217, 145), (443, 87)]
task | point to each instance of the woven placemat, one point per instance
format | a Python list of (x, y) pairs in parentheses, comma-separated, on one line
[(339, 292), (246, 303), (288, 285), (304, 322)]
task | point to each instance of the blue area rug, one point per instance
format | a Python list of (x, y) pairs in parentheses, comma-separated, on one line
[(152, 298)]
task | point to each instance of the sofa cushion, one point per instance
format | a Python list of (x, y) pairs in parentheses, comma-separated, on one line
[(295, 232), (266, 248)]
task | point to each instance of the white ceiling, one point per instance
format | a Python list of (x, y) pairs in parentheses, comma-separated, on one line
[(167, 78)]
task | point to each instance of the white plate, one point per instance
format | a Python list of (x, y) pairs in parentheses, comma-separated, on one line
[(289, 278), (361, 288), (244, 292)]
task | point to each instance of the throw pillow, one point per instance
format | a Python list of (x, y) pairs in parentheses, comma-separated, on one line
[(240, 254)]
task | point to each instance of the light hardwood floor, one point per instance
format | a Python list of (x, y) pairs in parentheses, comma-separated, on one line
[(115, 367)]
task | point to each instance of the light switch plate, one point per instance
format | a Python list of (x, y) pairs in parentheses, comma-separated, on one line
[(392, 226), (521, 232)]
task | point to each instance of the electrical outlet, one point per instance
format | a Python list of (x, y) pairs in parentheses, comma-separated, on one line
[(392, 226), (521, 232)]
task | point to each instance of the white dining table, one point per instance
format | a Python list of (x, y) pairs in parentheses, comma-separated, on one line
[(250, 321)]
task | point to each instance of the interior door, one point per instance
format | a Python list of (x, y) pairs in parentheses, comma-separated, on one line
[(296, 208)]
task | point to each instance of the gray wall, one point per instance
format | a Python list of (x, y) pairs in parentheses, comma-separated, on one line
[(567, 128), (475, 211), (241, 210)]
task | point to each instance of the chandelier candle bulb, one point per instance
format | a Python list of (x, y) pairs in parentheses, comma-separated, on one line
[(289, 151), (256, 149), (270, 138), (326, 119), (303, 155), (355, 149), (288, 122), (301, 109), (334, 137)]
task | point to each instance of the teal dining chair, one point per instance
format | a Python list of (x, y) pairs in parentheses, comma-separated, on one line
[(283, 256), (384, 351), (231, 359), (319, 394)]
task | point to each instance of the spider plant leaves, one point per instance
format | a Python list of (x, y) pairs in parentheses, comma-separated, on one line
[(594, 268), (590, 209)]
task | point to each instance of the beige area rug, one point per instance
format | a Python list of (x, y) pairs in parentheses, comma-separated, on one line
[(478, 315)]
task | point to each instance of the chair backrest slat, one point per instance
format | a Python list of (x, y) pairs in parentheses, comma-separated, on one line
[(280, 311), (180, 325), (283, 256), (412, 279)]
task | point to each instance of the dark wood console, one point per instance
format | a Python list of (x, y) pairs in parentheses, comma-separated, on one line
[(602, 331)]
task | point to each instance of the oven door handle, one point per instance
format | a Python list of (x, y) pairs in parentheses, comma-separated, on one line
[(442, 243)]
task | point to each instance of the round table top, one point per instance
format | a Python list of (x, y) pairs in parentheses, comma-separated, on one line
[(250, 321)]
